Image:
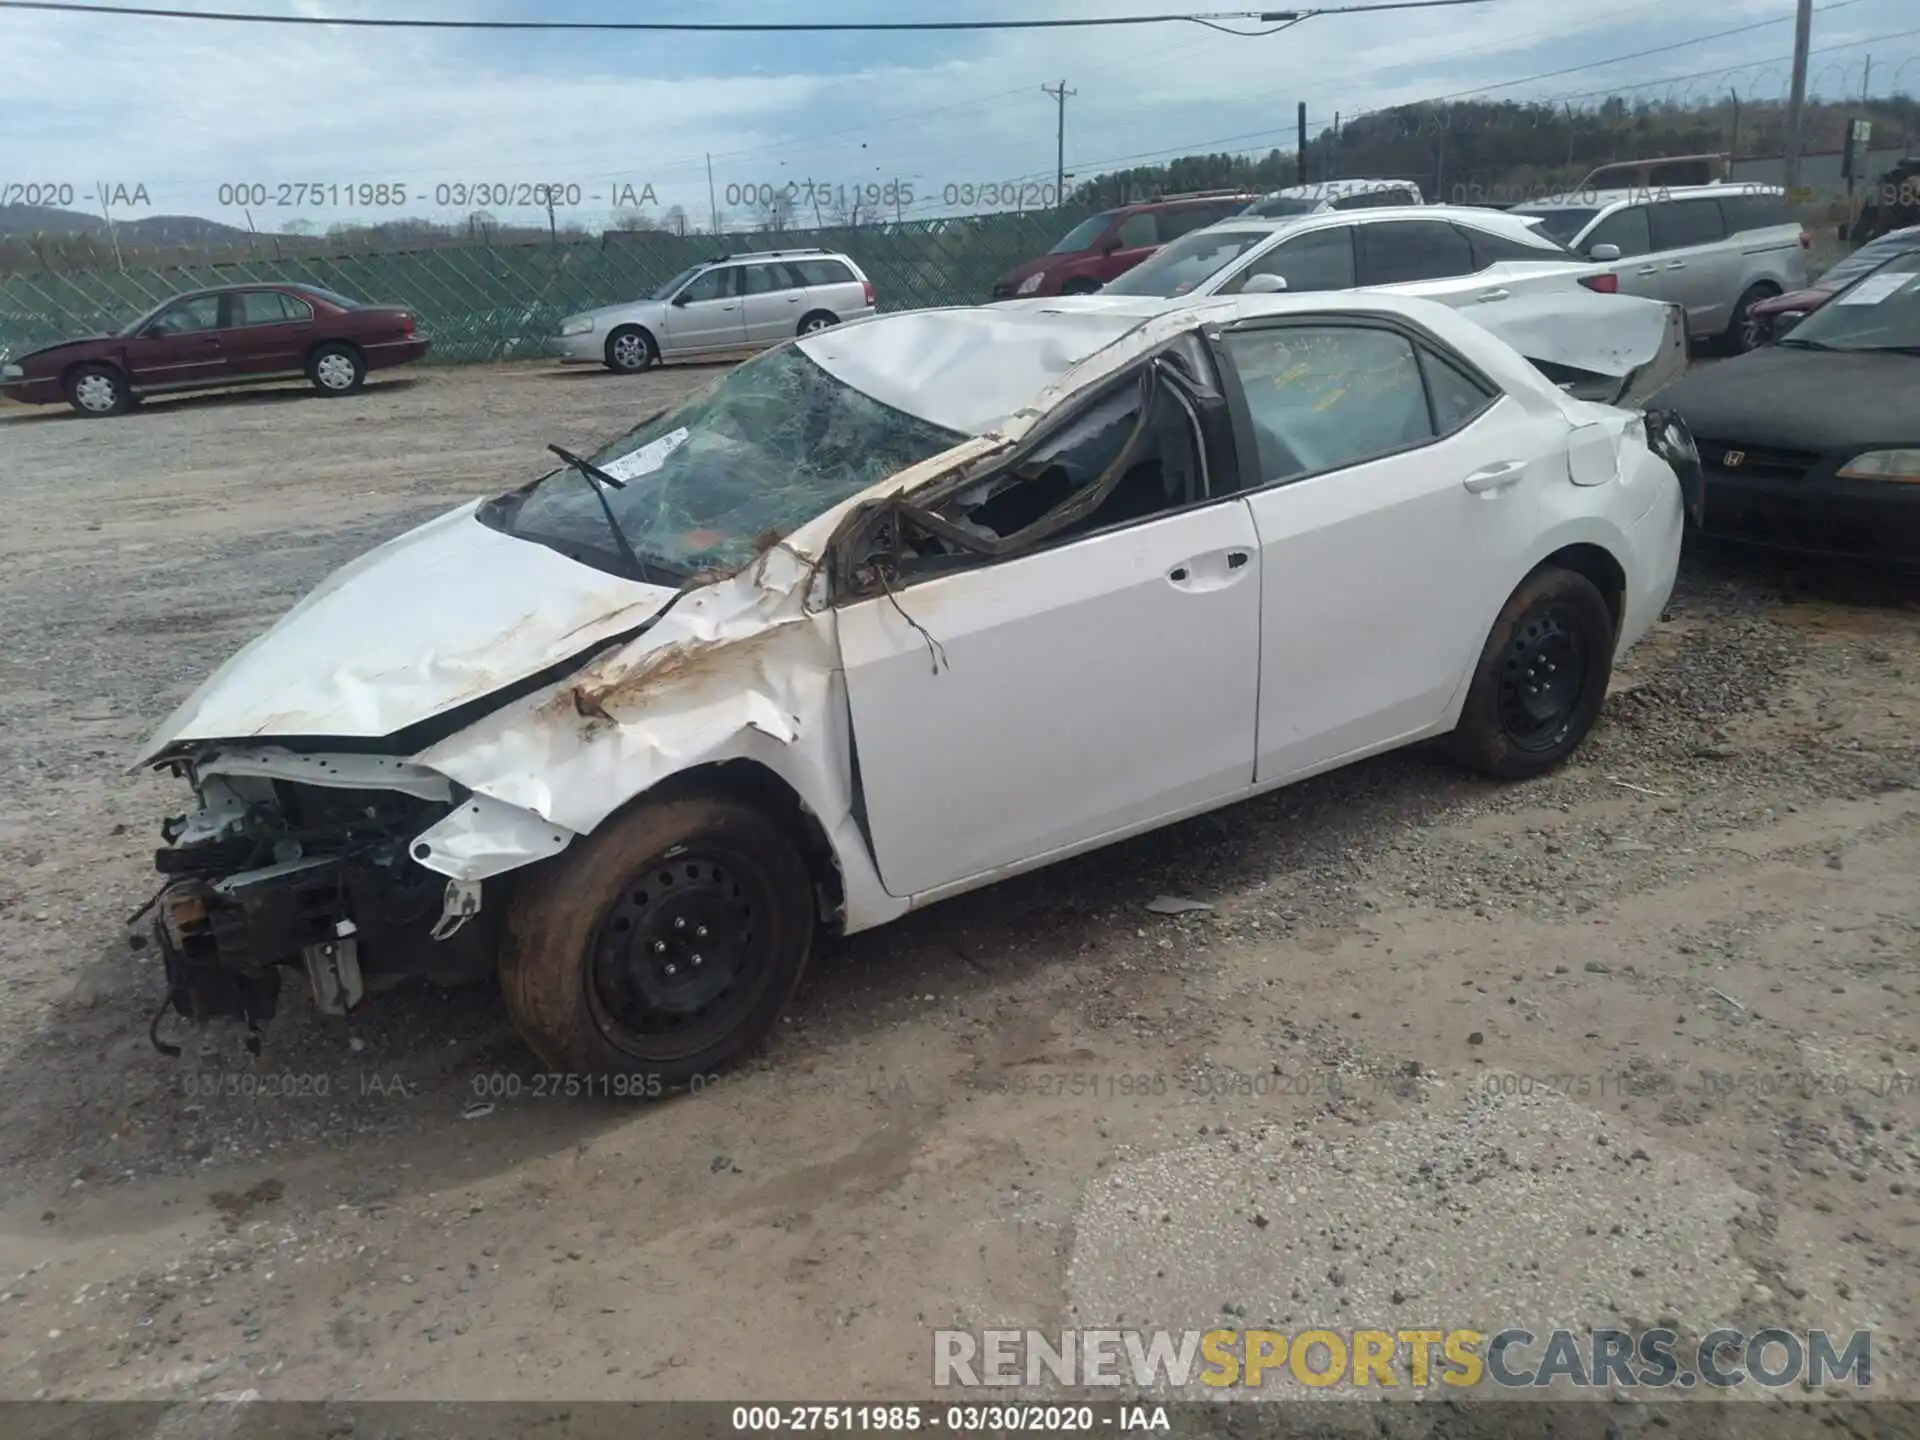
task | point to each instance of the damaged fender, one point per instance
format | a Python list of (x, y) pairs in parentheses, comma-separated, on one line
[(742, 669)]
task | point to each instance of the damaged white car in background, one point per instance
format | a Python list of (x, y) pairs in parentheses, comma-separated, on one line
[(886, 614)]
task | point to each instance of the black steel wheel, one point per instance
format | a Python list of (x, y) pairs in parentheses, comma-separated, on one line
[(1543, 675), (1541, 680), (683, 956), (661, 948)]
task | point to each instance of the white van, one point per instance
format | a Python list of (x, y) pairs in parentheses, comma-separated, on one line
[(1717, 250)]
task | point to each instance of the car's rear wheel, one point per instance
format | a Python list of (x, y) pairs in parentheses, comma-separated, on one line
[(97, 390), (631, 350), (336, 369), (1541, 680), (816, 321), (1747, 331), (661, 948)]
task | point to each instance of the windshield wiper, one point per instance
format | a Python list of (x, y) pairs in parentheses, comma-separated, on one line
[(1797, 343), (594, 476)]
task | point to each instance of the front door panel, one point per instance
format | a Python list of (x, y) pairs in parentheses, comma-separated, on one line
[(1080, 690), (709, 320)]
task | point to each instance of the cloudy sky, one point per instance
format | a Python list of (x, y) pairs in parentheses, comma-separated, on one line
[(184, 108)]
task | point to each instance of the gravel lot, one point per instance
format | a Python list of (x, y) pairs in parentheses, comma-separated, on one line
[(1633, 1043)]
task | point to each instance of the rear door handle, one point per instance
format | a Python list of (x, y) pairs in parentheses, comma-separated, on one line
[(1650, 270), (1676, 265), (1494, 294), (1495, 477)]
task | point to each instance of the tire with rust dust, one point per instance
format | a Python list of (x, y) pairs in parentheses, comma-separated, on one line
[(660, 949)]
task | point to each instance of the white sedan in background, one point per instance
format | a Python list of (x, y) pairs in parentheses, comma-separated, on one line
[(889, 613), (1454, 253), (1563, 312)]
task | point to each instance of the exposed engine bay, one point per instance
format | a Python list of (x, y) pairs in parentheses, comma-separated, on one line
[(272, 873)]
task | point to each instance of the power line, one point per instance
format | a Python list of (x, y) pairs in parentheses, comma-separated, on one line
[(1635, 55), (1210, 19), (1201, 146)]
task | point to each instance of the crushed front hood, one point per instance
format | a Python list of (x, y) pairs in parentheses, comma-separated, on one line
[(441, 616)]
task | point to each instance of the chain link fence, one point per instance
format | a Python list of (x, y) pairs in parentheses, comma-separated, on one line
[(491, 302)]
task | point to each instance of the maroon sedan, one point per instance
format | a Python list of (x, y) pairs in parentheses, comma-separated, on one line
[(1768, 319), (206, 339)]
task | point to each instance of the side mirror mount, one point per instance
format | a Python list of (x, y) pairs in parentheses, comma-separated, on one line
[(1264, 285), (1110, 244), (680, 299), (1603, 252)]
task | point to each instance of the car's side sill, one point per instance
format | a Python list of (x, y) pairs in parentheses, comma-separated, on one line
[(1174, 817), (227, 382)]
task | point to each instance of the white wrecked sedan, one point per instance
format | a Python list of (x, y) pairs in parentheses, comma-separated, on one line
[(886, 614)]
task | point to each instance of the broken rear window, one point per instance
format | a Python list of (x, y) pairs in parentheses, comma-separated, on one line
[(741, 465)]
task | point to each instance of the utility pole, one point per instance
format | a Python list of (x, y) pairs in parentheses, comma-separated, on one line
[(1300, 152), (1797, 97), (712, 203), (1059, 93), (1866, 80)]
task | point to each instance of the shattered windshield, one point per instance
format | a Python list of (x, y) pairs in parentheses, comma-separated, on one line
[(739, 466), (1879, 312)]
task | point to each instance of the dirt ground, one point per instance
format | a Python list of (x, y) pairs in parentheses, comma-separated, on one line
[(1637, 1042)]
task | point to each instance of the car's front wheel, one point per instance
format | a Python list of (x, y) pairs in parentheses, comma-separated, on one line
[(96, 390), (630, 350), (662, 947), (1541, 680), (336, 369)]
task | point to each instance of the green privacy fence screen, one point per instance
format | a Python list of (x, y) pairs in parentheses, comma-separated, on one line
[(492, 302)]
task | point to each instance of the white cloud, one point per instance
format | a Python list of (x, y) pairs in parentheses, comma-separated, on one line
[(184, 107)]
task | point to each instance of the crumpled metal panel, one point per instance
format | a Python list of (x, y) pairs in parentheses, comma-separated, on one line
[(1579, 328), (744, 669), (337, 772), (483, 838), (967, 370), (738, 659), (446, 613)]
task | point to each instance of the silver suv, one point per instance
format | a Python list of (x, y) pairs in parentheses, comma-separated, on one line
[(1715, 250), (732, 303)]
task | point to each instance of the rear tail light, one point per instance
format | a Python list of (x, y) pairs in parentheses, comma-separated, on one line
[(866, 288), (1607, 284), (1806, 241), (406, 323)]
